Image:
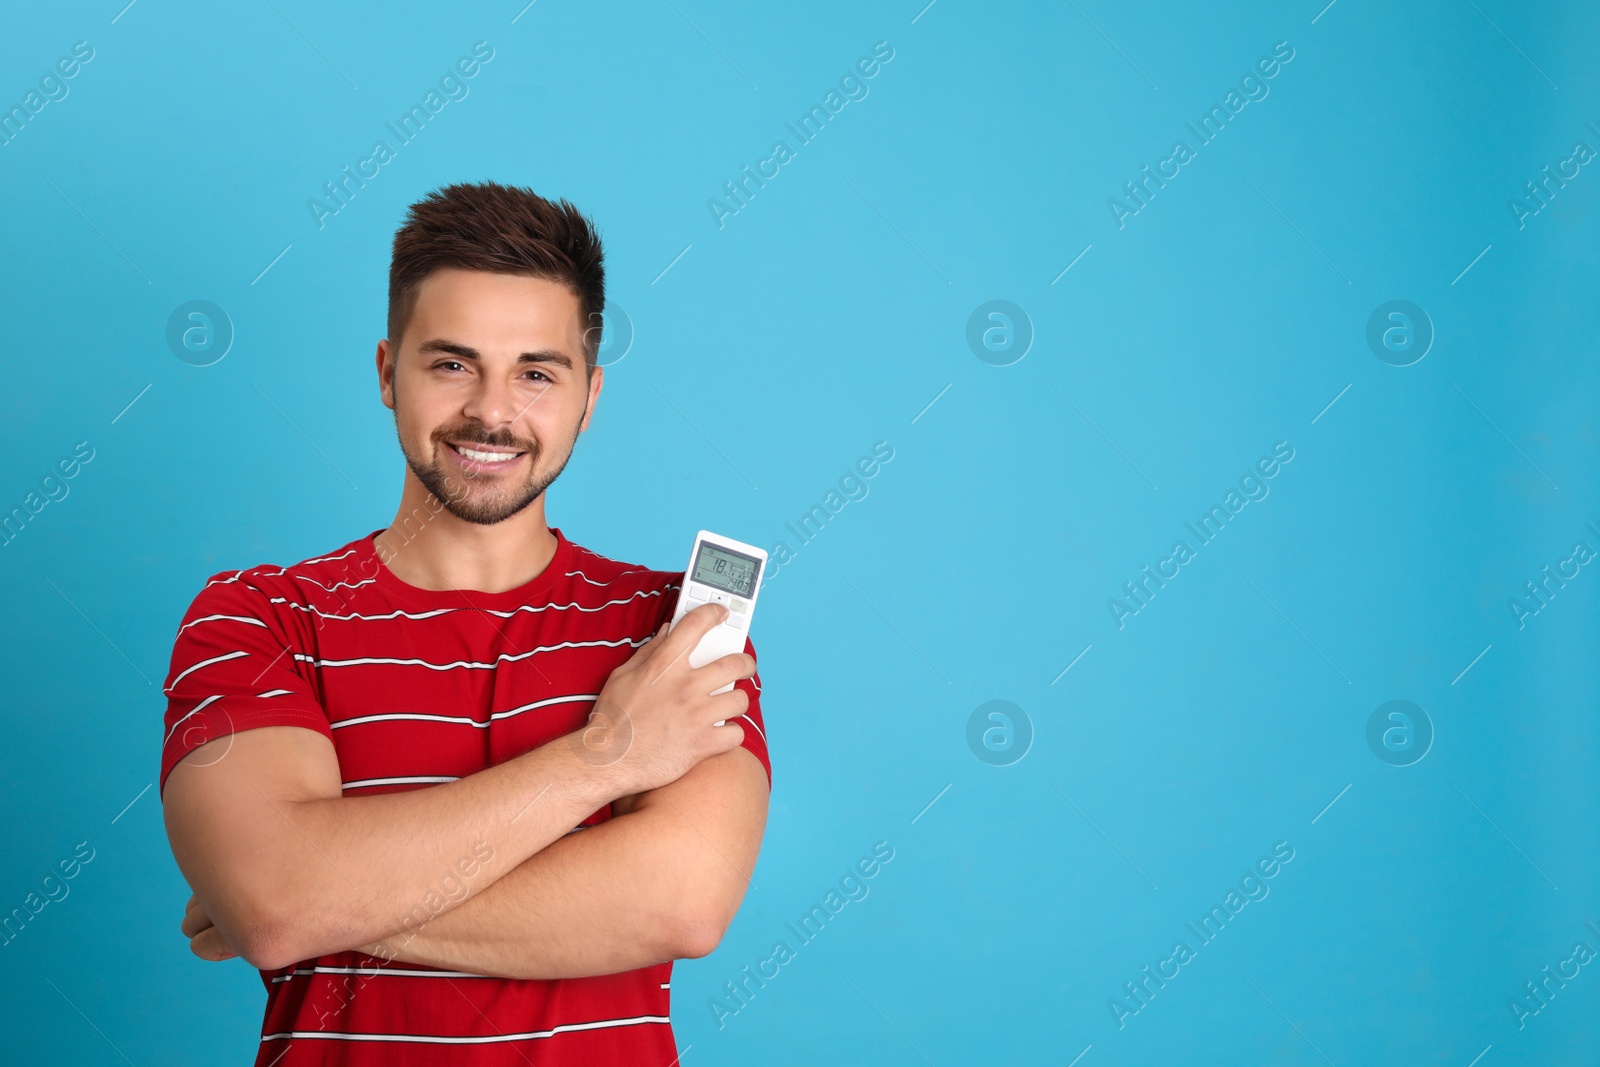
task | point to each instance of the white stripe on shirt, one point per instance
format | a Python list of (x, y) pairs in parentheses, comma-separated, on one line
[(419, 778), (420, 615), (212, 618), (373, 972), (509, 657), (327, 559), (591, 581), (336, 585), (752, 722), (422, 716), (198, 708), (486, 1039), (204, 663)]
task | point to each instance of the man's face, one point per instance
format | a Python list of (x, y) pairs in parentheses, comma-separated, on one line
[(488, 389)]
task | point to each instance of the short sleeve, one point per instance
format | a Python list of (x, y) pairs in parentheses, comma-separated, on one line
[(235, 667), (755, 728)]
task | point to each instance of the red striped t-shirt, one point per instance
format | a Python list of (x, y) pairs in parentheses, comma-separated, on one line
[(415, 687)]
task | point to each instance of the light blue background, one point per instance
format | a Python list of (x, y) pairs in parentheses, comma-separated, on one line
[(825, 316)]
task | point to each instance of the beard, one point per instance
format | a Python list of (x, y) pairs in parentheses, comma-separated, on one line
[(483, 499)]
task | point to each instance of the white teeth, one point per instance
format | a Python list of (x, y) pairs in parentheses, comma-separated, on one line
[(484, 457)]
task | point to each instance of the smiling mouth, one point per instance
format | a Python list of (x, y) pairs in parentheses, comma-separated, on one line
[(488, 456)]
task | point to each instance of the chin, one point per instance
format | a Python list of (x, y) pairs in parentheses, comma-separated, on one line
[(487, 510)]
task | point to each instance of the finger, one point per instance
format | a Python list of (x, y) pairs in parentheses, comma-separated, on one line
[(683, 638), (734, 667), (730, 735), (204, 944), (210, 946), (732, 704), (742, 664), (194, 922)]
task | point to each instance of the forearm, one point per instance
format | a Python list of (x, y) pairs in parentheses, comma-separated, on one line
[(657, 884), (599, 901), (350, 870)]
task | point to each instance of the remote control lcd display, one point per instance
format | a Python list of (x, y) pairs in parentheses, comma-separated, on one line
[(731, 572)]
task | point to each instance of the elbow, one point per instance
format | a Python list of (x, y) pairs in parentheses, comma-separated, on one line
[(267, 945), (282, 921), (699, 934), (701, 924), (698, 939), (265, 955), (273, 938), (244, 927)]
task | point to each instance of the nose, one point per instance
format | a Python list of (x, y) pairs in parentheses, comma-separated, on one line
[(492, 403)]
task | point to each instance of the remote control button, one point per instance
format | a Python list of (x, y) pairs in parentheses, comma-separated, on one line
[(740, 606)]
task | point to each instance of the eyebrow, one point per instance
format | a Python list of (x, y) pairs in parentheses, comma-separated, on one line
[(543, 355)]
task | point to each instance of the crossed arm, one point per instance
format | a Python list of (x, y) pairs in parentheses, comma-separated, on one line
[(673, 863), (660, 880)]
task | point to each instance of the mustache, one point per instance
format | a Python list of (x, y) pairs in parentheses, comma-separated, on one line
[(478, 436)]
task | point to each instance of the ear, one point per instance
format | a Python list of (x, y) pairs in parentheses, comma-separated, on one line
[(385, 361), (597, 380)]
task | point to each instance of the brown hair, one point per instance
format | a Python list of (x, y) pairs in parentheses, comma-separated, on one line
[(505, 229)]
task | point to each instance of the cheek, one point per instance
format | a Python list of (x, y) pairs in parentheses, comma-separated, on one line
[(541, 435), (550, 422), (418, 411), (405, 421)]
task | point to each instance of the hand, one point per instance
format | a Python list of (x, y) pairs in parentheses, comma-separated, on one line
[(655, 717), (205, 940)]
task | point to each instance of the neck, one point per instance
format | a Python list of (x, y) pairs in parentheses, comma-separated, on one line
[(428, 547)]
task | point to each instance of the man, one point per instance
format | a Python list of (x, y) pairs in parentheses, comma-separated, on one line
[(452, 787)]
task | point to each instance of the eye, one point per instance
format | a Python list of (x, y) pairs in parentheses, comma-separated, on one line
[(541, 374), (446, 364)]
